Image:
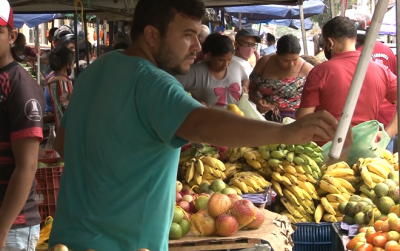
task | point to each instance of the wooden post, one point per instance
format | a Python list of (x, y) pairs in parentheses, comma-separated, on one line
[(342, 8), (333, 8), (303, 27)]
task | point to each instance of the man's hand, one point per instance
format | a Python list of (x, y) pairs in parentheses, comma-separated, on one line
[(245, 89), (319, 126)]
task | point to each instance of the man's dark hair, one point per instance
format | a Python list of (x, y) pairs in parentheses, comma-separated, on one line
[(160, 13), (218, 45), (60, 57), (270, 38), (288, 44), (20, 36), (340, 28), (52, 30), (121, 46), (82, 49), (9, 29)]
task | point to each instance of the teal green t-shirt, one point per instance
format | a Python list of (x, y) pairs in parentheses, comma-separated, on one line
[(117, 190)]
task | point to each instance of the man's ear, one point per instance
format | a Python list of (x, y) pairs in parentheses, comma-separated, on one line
[(13, 36), (152, 36), (331, 42)]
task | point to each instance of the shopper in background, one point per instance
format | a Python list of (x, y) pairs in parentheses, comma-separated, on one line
[(382, 54), (280, 78), (245, 47), (116, 179), (22, 53), (328, 83), (205, 31), (217, 81), (271, 41), (21, 120), (318, 48), (231, 35), (122, 39), (51, 36)]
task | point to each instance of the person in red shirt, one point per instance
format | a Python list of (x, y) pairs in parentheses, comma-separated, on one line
[(22, 53), (21, 118), (327, 84)]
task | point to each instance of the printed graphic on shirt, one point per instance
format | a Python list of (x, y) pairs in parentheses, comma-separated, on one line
[(33, 110), (227, 95)]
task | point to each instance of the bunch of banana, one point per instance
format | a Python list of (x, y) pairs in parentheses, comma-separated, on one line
[(235, 153), (232, 169), (336, 184), (307, 156), (389, 157), (203, 168), (197, 150), (374, 170), (328, 210), (396, 161), (249, 182)]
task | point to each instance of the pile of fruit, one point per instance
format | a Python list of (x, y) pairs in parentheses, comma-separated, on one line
[(224, 215), (180, 224), (384, 235)]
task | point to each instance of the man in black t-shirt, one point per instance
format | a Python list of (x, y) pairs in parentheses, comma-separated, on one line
[(21, 112)]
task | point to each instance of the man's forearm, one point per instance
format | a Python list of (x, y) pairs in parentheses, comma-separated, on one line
[(232, 130), (391, 128), (15, 197)]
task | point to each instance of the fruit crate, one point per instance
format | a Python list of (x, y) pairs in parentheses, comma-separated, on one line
[(315, 237), (47, 185)]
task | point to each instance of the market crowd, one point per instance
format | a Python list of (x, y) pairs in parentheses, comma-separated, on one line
[(129, 114)]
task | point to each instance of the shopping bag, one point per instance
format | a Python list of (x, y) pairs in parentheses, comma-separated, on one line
[(366, 142), (249, 110)]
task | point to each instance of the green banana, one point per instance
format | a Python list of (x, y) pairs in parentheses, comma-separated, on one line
[(307, 168), (290, 156), (299, 149), (273, 147), (318, 149), (318, 160), (265, 154), (308, 150), (298, 160), (290, 148), (278, 155), (274, 162)]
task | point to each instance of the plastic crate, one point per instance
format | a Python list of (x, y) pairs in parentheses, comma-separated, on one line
[(314, 237), (47, 185)]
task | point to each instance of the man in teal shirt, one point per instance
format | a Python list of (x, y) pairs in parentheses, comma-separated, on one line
[(122, 132)]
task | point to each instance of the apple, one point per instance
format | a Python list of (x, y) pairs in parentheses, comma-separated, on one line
[(186, 192), (184, 205), (192, 207), (179, 186), (178, 197), (188, 198)]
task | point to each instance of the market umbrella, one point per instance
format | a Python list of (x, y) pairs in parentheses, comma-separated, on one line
[(292, 23), (264, 13), (388, 26), (32, 20)]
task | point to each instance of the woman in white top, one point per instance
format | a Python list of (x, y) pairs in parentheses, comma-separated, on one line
[(217, 81)]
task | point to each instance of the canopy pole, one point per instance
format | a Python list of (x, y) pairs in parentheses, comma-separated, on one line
[(333, 9), (240, 21), (398, 67), (98, 37), (85, 30), (303, 27), (342, 8), (76, 70), (357, 82)]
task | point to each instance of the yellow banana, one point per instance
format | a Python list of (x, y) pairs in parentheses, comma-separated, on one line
[(266, 172), (287, 214), (306, 195), (190, 172), (306, 207), (251, 183), (217, 173), (238, 191), (347, 185), (327, 206), (351, 178), (208, 169), (240, 184), (307, 188), (329, 218), (346, 196), (339, 165), (340, 172), (335, 198), (302, 177), (261, 181), (311, 179), (339, 219), (209, 176), (328, 187), (249, 155), (198, 178), (292, 178), (377, 169), (376, 178), (366, 177), (279, 169), (220, 165), (207, 160), (290, 169), (277, 187), (300, 220), (199, 167), (297, 191), (333, 181), (251, 190), (254, 163), (290, 208), (319, 211), (335, 206), (299, 169), (286, 181), (276, 176), (290, 197)]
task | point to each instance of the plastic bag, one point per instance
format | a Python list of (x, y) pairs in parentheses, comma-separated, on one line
[(249, 110), (288, 120), (365, 142)]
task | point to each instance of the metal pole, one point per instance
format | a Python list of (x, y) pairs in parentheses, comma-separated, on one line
[(358, 79), (333, 8), (105, 32), (98, 37), (111, 31), (86, 39), (303, 27), (76, 45), (342, 8), (240, 21), (37, 43)]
